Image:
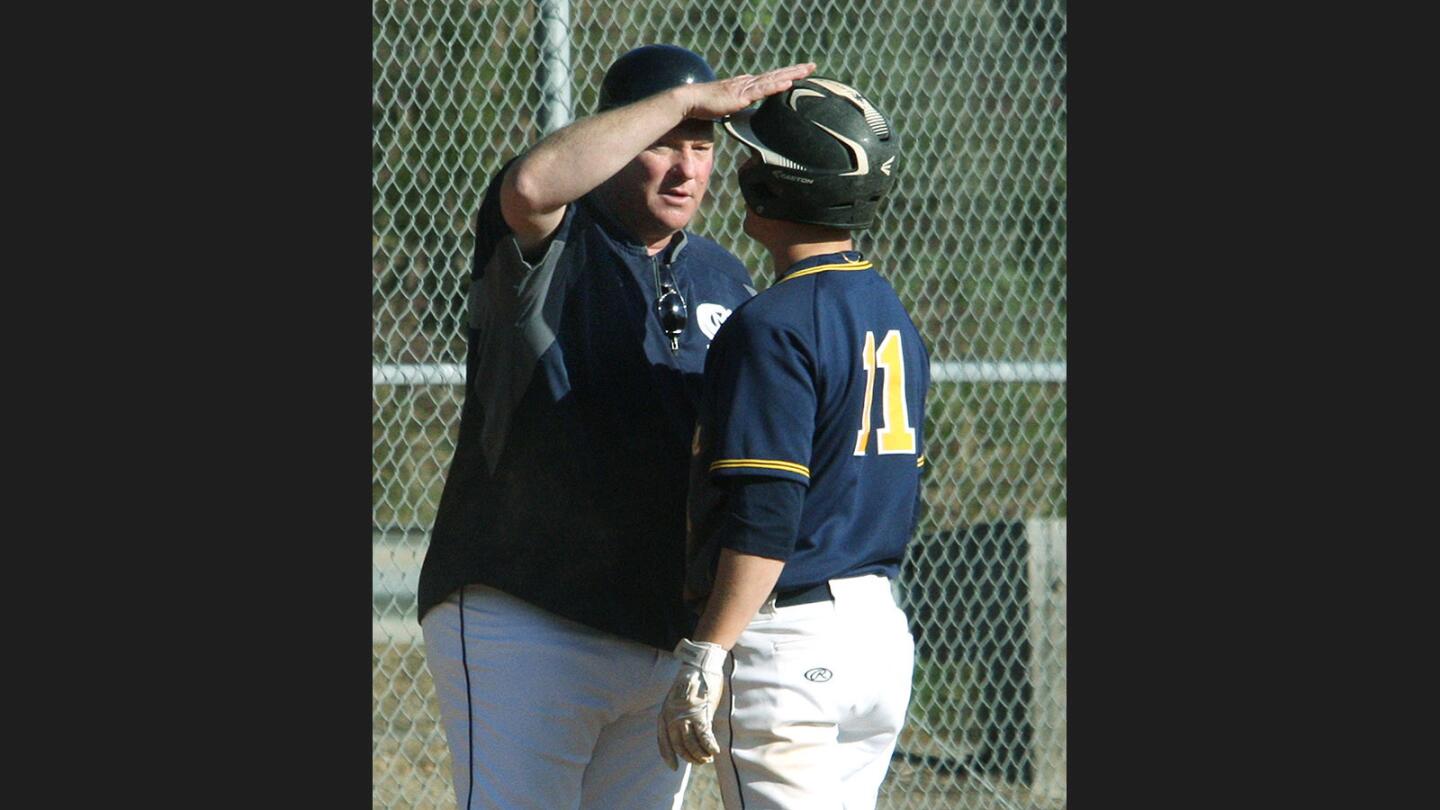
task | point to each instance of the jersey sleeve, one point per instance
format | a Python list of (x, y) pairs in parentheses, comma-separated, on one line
[(760, 382), (761, 516), (503, 283), (490, 225), (513, 309)]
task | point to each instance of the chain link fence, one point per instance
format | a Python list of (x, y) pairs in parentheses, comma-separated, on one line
[(973, 239)]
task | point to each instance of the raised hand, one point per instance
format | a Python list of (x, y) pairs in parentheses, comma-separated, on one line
[(717, 99)]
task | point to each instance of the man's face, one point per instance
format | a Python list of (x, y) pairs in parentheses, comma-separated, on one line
[(660, 191)]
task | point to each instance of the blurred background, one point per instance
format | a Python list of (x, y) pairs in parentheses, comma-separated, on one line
[(972, 237)]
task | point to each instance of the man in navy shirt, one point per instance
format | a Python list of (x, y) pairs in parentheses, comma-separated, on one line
[(550, 594), (805, 484)]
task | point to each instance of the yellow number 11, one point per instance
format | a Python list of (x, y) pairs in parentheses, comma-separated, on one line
[(896, 436)]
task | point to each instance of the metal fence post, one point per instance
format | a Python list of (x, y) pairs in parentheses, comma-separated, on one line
[(554, 31)]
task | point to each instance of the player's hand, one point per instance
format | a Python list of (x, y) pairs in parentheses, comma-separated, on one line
[(686, 715), (717, 99)]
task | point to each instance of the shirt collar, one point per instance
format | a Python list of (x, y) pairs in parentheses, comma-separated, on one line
[(844, 260)]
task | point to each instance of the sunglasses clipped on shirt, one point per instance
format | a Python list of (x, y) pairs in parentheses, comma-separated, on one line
[(670, 305)]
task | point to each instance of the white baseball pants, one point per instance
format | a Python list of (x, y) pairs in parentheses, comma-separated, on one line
[(543, 713), (816, 696)]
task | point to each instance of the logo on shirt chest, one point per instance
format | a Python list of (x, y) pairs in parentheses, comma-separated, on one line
[(709, 317)]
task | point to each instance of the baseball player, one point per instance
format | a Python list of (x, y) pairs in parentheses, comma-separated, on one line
[(550, 595), (805, 481)]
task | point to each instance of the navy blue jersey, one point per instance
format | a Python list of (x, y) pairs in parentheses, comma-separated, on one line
[(567, 488), (820, 380)]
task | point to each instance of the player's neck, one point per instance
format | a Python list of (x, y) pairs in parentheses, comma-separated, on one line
[(790, 242), (785, 252)]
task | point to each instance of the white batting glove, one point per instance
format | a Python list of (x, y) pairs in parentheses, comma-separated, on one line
[(685, 717)]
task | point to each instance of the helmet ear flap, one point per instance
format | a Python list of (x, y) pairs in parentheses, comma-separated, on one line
[(754, 184)]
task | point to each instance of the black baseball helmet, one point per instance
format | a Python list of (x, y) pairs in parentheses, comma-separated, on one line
[(648, 70), (826, 155)]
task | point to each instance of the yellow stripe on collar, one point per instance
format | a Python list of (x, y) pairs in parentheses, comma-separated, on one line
[(820, 268)]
